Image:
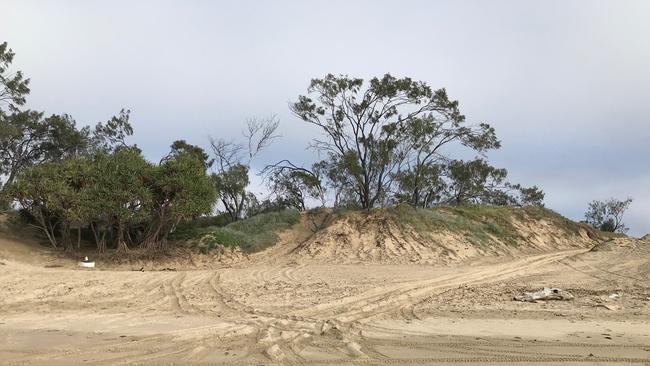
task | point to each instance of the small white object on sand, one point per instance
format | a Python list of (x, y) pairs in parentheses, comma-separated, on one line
[(87, 263), (545, 294)]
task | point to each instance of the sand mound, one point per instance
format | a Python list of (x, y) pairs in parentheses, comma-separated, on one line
[(623, 245), (439, 237)]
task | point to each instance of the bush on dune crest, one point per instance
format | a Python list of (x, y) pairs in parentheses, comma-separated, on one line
[(250, 235)]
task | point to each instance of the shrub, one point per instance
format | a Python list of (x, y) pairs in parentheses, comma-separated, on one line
[(252, 234)]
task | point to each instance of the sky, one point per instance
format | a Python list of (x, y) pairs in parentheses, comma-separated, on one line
[(566, 84)]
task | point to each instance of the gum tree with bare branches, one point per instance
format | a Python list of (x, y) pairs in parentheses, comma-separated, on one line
[(232, 163)]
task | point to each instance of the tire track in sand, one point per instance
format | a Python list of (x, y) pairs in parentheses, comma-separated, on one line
[(390, 298)]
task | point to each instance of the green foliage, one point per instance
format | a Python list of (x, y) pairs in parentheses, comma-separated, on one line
[(112, 135), (119, 195), (28, 139), (374, 133), (421, 186), (292, 185), (118, 186), (195, 228), (182, 147), (474, 181), (13, 86), (251, 234), (231, 185), (180, 191), (480, 224), (608, 215)]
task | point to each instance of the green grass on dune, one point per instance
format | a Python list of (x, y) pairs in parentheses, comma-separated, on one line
[(194, 229), (479, 224), (482, 224), (251, 234)]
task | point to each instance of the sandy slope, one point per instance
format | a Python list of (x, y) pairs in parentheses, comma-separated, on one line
[(274, 308)]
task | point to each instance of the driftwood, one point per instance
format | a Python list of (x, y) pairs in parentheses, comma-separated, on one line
[(545, 294)]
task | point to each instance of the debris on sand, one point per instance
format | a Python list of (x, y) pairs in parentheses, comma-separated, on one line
[(609, 307), (275, 353), (354, 349), (547, 293)]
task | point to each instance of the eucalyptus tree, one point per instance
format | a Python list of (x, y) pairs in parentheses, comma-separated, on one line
[(232, 163), (294, 185), (424, 141), (372, 132), (608, 215), (473, 182)]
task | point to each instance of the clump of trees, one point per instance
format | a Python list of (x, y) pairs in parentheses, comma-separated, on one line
[(120, 197), (70, 179), (608, 215), (387, 142)]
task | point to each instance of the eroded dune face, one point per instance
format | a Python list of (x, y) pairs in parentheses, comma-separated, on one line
[(379, 237), (289, 305)]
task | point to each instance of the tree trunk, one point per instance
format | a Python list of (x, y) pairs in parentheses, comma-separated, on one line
[(46, 230), (100, 241), (121, 244), (65, 237)]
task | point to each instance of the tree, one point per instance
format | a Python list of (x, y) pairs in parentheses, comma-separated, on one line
[(477, 182), (371, 132), (421, 186), (525, 196), (112, 135), (474, 182), (424, 140), (293, 185), (35, 191), (608, 215), (180, 190), (13, 86), (232, 162), (182, 147), (119, 193), (27, 139), (231, 184)]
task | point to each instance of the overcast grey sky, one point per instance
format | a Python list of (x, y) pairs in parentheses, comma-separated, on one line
[(566, 84)]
